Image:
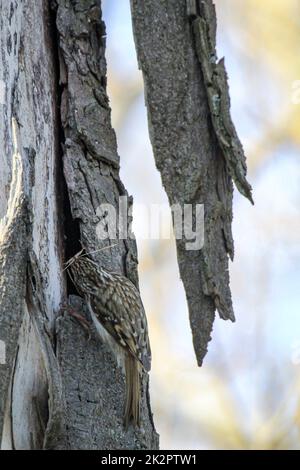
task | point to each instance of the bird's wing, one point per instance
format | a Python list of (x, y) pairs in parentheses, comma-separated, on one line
[(121, 312)]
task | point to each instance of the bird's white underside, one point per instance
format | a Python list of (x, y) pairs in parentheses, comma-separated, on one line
[(109, 340)]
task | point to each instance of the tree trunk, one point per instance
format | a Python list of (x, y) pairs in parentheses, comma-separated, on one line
[(59, 163)]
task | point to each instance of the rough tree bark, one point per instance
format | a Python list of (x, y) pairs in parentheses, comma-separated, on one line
[(195, 145), (59, 162)]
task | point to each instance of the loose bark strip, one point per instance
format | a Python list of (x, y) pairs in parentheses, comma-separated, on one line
[(29, 217), (14, 230)]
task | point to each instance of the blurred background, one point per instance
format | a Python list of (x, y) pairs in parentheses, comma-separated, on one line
[(246, 396)]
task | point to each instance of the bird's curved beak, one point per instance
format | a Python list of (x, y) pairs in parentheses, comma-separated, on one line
[(70, 261)]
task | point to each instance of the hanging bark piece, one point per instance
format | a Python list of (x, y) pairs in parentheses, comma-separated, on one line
[(194, 167), (203, 21)]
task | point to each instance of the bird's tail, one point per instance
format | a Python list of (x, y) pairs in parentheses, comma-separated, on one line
[(133, 391)]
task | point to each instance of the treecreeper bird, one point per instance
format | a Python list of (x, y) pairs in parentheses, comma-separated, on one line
[(118, 314)]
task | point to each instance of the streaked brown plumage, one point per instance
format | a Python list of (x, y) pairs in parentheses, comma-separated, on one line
[(116, 305)]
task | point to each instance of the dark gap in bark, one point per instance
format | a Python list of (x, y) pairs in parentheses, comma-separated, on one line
[(69, 227), (71, 236)]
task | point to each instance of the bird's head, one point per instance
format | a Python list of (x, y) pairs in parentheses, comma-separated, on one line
[(82, 271), (74, 259)]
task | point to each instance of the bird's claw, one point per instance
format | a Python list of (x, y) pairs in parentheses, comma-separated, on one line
[(80, 318)]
